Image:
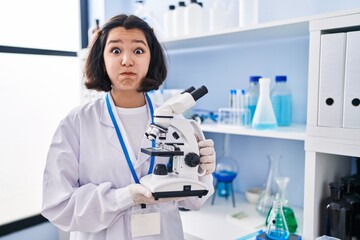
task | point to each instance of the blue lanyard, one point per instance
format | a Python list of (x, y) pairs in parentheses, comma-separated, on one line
[(121, 140)]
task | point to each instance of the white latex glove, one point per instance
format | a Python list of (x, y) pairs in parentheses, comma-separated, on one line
[(207, 155), (142, 195)]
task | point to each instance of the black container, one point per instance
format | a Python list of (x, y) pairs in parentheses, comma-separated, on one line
[(336, 214), (353, 198)]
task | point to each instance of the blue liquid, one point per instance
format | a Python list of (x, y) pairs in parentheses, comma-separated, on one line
[(282, 105), (278, 234), (264, 126), (252, 111)]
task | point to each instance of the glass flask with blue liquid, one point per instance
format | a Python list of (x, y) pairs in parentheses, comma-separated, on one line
[(281, 99), (277, 228)]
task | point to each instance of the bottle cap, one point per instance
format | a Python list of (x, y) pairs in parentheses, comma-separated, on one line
[(254, 78), (182, 4), (336, 185), (193, 1), (171, 7), (281, 78)]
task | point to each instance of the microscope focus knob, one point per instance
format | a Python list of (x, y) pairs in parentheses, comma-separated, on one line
[(160, 169), (192, 159)]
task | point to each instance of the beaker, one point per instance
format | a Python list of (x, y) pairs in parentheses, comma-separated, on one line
[(290, 218), (267, 196), (277, 228)]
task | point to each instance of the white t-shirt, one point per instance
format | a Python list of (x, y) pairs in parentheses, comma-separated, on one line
[(135, 121)]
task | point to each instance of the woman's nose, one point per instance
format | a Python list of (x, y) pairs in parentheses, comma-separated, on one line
[(127, 61)]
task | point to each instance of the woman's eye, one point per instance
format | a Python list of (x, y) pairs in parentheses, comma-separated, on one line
[(138, 51), (116, 51)]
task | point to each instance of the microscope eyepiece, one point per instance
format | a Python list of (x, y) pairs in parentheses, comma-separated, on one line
[(200, 92), (189, 90)]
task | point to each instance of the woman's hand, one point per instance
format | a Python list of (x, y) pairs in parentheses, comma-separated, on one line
[(207, 155)]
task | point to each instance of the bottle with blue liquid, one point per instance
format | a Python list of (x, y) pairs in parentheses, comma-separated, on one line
[(252, 95), (264, 117), (282, 101)]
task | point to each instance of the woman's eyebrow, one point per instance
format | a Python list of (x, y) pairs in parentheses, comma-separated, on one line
[(139, 41), (133, 41)]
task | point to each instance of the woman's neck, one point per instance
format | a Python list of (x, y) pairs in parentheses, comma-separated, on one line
[(128, 99)]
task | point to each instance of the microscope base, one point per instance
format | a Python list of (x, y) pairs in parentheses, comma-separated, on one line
[(173, 186)]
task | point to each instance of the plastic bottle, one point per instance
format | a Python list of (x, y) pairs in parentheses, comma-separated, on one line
[(179, 20), (252, 95), (194, 18), (142, 11), (248, 12), (169, 22), (264, 117), (281, 99), (336, 214), (218, 16)]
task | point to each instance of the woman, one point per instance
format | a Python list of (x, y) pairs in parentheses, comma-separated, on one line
[(91, 185)]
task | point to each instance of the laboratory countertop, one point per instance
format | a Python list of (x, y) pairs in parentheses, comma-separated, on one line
[(214, 222)]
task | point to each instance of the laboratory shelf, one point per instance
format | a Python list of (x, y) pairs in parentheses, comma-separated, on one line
[(274, 30), (293, 132), (214, 222)]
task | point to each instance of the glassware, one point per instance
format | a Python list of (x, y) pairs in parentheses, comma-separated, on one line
[(225, 172), (353, 198), (336, 214), (264, 117), (290, 218), (267, 196), (277, 228)]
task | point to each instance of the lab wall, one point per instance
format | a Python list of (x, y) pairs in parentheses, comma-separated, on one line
[(219, 68)]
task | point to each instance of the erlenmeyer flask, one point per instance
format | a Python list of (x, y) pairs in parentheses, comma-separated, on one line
[(267, 196), (264, 116), (277, 228), (290, 218)]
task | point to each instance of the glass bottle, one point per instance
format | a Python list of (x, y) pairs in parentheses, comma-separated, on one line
[(290, 218), (277, 228), (281, 99), (252, 95), (353, 198), (336, 214), (264, 117), (267, 196)]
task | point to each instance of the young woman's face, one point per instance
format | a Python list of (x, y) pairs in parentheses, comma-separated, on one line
[(127, 58)]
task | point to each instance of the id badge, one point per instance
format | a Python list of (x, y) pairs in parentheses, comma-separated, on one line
[(145, 221)]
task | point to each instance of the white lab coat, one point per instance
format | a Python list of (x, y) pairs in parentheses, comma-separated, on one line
[(86, 177)]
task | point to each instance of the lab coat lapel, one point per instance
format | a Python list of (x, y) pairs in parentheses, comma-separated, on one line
[(142, 157), (112, 137)]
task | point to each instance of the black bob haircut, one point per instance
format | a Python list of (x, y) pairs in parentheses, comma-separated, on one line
[(96, 76)]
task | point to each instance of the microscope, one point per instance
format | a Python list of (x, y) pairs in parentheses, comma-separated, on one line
[(180, 177)]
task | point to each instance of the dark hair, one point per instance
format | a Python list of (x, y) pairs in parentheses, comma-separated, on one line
[(96, 76)]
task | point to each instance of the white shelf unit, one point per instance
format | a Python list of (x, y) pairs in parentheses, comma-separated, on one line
[(328, 150), (294, 132)]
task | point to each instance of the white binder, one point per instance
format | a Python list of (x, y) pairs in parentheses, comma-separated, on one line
[(351, 115), (331, 85)]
